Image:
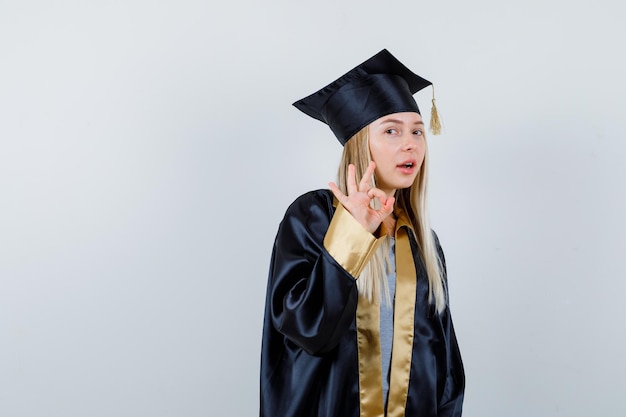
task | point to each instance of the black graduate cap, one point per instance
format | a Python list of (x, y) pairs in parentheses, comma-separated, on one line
[(379, 86)]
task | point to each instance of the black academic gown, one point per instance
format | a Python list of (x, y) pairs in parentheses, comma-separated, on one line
[(310, 354)]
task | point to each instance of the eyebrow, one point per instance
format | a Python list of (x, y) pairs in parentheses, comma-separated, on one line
[(397, 121)]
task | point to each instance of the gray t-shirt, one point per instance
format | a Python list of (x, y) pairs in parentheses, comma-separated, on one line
[(386, 324)]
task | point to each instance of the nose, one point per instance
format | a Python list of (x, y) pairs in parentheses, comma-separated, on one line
[(408, 142)]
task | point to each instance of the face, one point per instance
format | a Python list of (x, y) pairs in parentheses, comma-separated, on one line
[(397, 146)]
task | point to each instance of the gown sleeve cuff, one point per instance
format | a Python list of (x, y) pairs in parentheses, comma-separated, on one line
[(349, 243)]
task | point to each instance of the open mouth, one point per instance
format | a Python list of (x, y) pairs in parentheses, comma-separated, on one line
[(406, 165)]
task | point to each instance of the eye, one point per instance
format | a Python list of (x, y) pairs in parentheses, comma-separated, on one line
[(418, 132), (391, 131)]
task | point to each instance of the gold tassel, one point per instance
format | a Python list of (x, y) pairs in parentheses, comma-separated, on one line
[(435, 122)]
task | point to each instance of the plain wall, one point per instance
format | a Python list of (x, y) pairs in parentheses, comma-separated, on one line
[(148, 151)]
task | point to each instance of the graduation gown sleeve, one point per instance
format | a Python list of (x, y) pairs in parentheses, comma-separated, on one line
[(317, 255), (309, 364)]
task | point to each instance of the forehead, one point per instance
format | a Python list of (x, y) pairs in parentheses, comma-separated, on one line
[(404, 118)]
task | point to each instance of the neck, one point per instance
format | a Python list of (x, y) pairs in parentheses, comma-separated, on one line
[(390, 225)]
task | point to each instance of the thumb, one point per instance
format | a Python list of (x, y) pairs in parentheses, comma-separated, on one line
[(388, 206)]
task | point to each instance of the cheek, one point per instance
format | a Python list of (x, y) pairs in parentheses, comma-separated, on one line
[(373, 151), (379, 153), (421, 152)]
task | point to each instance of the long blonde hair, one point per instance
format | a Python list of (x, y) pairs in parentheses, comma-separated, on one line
[(372, 282)]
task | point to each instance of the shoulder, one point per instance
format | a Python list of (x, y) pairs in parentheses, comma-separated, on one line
[(436, 238), (437, 243), (306, 220), (442, 256), (314, 203)]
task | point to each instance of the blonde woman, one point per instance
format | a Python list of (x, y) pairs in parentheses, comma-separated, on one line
[(357, 321)]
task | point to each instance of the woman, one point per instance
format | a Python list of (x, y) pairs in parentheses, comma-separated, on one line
[(357, 321)]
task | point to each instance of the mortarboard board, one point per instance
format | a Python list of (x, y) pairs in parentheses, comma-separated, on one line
[(379, 86)]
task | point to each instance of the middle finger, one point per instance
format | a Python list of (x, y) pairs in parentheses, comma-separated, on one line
[(366, 181), (352, 188)]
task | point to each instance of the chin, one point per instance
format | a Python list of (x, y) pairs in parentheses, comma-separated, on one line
[(404, 185)]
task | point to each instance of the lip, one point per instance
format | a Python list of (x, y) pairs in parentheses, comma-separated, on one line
[(407, 169)]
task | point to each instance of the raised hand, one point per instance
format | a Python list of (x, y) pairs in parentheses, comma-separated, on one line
[(358, 200)]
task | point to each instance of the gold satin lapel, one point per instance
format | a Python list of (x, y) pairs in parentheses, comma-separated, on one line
[(370, 360), (404, 321)]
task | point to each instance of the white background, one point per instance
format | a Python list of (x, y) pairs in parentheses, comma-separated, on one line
[(148, 150)]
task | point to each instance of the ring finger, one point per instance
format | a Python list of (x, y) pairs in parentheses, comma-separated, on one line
[(366, 182)]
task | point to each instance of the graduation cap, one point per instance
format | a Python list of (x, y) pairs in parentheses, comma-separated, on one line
[(379, 86)]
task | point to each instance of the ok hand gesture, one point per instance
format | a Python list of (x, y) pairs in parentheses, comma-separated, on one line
[(359, 197)]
